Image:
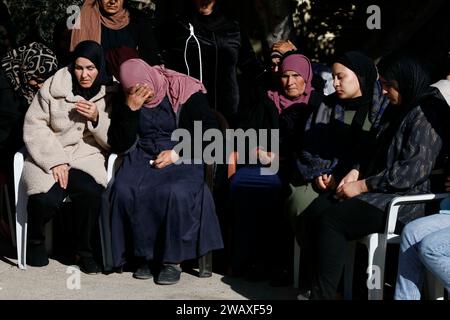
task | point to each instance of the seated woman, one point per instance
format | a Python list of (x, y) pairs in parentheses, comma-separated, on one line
[(424, 246), (425, 242), (407, 146), (257, 199), (65, 133), (337, 130), (166, 205), (334, 136)]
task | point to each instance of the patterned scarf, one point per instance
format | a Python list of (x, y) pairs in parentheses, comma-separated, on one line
[(30, 62)]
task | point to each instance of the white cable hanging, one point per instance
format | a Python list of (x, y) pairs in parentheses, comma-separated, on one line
[(192, 35)]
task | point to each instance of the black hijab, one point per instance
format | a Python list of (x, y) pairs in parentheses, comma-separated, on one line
[(94, 52), (413, 83), (411, 76), (365, 70)]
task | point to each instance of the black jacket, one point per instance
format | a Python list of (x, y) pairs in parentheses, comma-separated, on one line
[(224, 48), (146, 38), (419, 145)]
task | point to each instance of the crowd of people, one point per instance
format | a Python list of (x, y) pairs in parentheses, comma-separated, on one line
[(351, 139)]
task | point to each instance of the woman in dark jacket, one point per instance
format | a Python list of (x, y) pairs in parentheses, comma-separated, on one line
[(166, 205), (335, 135), (119, 29), (212, 52), (408, 143)]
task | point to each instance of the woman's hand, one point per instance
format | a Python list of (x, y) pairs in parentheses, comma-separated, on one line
[(265, 157), (137, 95), (351, 189), (166, 158), (61, 174), (87, 109), (283, 46), (325, 182), (352, 176)]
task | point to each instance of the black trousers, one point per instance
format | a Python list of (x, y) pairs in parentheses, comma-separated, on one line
[(325, 227), (85, 194)]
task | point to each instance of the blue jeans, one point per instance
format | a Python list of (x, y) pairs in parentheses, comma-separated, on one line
[(425, 243)]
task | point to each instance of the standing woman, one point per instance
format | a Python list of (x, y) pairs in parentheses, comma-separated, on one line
[(167, 206), (65, 133), (120, 30), (213, 54), (408, 144)]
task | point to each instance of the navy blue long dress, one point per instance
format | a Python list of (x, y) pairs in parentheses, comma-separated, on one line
[(170, 212)]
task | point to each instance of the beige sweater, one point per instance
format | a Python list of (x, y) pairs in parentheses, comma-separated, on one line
[(55, 133)]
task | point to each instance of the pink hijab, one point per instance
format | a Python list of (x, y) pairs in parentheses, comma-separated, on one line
[(165, 82), (300, 64)]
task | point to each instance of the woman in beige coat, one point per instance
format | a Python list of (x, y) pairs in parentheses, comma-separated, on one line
[(65, 133)]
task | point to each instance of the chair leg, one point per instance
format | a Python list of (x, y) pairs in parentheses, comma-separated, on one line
[(21, 227), (205, 265), (348, 271)]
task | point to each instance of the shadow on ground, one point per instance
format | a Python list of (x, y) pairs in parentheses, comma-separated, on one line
[(260, 290)]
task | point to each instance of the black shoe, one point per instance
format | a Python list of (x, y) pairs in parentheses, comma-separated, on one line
[(88, 265), (170, 274), (143, 272), (37, 255)]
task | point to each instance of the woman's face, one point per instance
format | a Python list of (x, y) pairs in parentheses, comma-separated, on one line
[(205, 7), (345, 82), (391, 91), (111, 7), (293, 84), (86, 72)]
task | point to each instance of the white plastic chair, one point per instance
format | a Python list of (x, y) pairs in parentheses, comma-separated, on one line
[(376, 244), (21, 199)]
